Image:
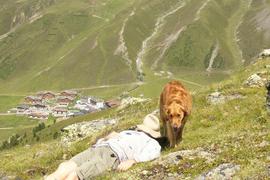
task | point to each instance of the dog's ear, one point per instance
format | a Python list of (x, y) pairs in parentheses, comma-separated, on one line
[(184, 109)]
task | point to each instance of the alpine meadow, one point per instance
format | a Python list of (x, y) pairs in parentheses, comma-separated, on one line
[(73, 71)]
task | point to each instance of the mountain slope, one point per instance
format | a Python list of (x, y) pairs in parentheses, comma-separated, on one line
[(235, 132), (254, 30), (58, 44)]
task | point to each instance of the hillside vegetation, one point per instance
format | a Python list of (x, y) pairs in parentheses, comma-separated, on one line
[(59, 44), (112, 48), (236, 132)]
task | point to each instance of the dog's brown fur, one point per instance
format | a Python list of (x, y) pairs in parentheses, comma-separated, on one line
[(175, 106)]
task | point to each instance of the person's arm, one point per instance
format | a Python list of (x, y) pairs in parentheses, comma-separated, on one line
[(125, 165), (150, 151)]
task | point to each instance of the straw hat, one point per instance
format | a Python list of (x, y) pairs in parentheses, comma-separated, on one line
[(150, 126)]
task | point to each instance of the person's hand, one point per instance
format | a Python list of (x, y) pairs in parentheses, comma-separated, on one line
[(125, 165)]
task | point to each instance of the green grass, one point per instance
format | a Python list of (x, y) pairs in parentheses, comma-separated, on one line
[(61, 40), (8, 102), (56, 51), (253, 40), (213, 23), (108, 92), (10, 125), (232, 131)]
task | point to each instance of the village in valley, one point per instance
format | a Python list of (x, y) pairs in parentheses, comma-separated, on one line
[(62, 105)]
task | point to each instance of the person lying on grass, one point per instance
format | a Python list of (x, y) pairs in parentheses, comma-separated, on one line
[(117, 151)]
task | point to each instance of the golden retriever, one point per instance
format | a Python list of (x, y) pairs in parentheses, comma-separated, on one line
[(175, 106)]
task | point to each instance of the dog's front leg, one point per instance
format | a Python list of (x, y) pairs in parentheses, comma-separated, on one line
[(181, 129), (179, 136), (170, 135)]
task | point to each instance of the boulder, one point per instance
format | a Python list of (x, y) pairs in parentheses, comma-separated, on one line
[(255, 81), (234, 96), (216, 98), (219, 98), (176, 157), (79, 131), (131, 101), (265, 53), (223, 172)]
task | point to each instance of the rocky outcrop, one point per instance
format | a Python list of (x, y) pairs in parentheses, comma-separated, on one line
[(30, 12), (26, 13), (255, 80), (161, 172), (131, 101), (223, 172), (162, 166), (219, 98), (216, 98), (265, 53), (79, 131), (176, 157)]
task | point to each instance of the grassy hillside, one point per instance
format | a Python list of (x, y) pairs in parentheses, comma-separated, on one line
[(234, 132), (104, 48), (213, 24), (8, 102), (59, 41), (254, 31), (53, 45), (11, 125)]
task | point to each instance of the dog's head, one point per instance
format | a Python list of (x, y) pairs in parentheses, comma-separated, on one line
[(175, 115)]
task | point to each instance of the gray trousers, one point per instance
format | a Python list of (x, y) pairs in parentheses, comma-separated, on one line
[(95, 161)]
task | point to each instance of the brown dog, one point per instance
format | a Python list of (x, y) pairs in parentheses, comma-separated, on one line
[(175, 106)]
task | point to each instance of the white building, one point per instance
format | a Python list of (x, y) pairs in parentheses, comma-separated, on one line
[(89, 104)]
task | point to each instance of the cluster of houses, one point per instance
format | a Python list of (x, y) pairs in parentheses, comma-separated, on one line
[(62, 105)]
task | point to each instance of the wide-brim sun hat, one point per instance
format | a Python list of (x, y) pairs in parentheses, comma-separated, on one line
[(150, 126)]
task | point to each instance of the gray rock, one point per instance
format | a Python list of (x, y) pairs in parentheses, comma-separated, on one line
[(219, 98), (80, 131), (263, 144), (222, 172), (265, 53), (235, 96), (125, 102), (216, 98), (176, 157), (255, 81)]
